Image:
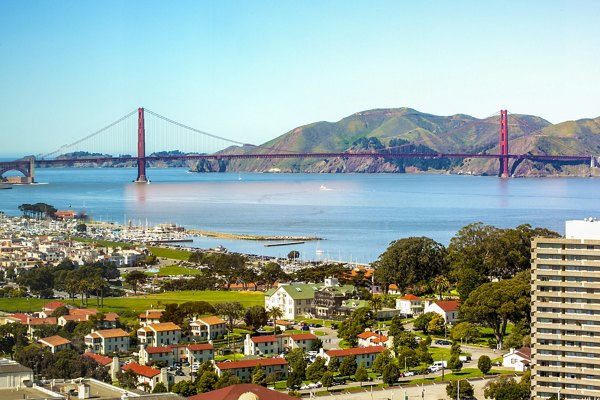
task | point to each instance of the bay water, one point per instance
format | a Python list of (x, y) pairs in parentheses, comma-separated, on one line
[(357, 215)]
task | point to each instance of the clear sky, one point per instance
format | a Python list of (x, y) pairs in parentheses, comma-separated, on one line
[(253, 70)]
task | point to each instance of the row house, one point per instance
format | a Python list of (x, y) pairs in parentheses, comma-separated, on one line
[(148, 377), (150, 317), (207, 328), (159, 334), (362, 354), (243, 369), (55, 343), (107, 341), (177, 353), (276, 344)]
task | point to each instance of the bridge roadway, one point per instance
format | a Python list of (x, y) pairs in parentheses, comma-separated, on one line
[(534, 157)]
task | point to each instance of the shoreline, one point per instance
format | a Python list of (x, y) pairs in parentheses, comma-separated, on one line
[(242, 236)]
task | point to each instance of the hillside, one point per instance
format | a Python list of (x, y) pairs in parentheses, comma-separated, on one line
[(408, 130)]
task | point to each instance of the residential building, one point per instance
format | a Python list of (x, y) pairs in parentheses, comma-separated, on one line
[(14, 375), (159, 334), (55, 343), (518, 359), (294, 299), (112, 364), (362, 354), (243, 369), (150, 317), (207, 328), (446, 308), (243, 391), (276, 344), (369, 338), (565, 313), (351, 305), (148, 377), (328, 299), (49, 308), (200, 352), (107, 341), (151, 355), (410, 305)]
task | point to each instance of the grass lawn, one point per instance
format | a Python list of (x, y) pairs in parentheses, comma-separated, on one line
[(174, 270), (141, 303), (173, 254), (465, 373), (103, 243)]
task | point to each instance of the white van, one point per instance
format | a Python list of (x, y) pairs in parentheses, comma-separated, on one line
[(438, 366)]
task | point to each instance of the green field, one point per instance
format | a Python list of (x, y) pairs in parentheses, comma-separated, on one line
[(174, 270), (141, 303), (173, 254), (103, 243)]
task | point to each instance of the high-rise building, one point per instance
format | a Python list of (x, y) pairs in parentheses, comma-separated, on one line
[(565, 311)]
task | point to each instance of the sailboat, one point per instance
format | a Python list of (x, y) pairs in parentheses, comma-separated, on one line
[(319, 250)]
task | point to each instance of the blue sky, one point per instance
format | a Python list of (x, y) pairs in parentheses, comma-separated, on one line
[(251, 71)]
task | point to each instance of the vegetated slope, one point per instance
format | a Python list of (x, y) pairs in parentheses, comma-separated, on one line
[(581, 137), (402, 130)]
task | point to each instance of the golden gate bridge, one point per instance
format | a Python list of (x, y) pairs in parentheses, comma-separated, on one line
[(124, 137)]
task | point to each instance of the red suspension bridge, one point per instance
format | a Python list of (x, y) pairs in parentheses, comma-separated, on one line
[(210, 145)]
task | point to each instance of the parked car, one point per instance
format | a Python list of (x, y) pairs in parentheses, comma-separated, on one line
[(443, 342), (409, 373), (305, 328), (315, 325)]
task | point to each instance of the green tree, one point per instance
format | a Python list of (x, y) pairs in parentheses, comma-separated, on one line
[(391, 373), (128, 379), (327, 379), (466, 389), (315, 371), (455, 349), (135, 279), (160, 388), (454, 363), (348, 366), (231, 312), (81, 227), (227, 379), (334, 364), (496, 303), (406, 339), (255, 317), (361, 375), (295, 378), (258, 376), (359, 320), (493, 386), (396, 327), (293, 255), (436, 325), (271, 273), (384, 358), (407, 358), (440, 285), (409, 261), (423, 353), (484, 364), (316, 344), (465, 332), (184, 388), (422, 321), (514, 392)]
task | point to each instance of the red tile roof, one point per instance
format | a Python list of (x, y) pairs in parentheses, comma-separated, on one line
[(158, 350), (98, 358), (112, 333), (201, 346), (53, 305), (366, 335), (54, 341), (42, 321), (264, 339), (411, 297), (251, 363), (212, 320), (303, 336), (234, 392), (355, 351), (165, 326), (142, 370), (448, 305)]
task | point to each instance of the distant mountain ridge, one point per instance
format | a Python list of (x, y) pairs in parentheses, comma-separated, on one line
[(415, 131)]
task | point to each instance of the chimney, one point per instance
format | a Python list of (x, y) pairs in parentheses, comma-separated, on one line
[(114, 368)]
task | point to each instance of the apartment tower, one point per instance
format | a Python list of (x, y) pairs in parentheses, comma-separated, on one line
[(565, 313)]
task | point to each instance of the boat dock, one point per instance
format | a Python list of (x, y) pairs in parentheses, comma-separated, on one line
[(283, 244)]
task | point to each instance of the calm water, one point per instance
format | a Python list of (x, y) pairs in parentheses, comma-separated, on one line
[(357, 214)]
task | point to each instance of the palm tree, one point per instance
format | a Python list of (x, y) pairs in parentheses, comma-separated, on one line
[(376, 304), (440, 285), (274, 313)]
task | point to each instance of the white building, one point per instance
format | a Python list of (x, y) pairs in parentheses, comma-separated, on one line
[(362, 354), (148, 377), (276, 344), (14, 375), (447, 309), (159, 334), (518, 359), (410, 305), (208, 328), (107, 341), (294, 299)]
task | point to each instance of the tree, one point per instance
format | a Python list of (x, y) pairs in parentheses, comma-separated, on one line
[(382, 360), (275, 313), (227, 379), (422, 321), (294, 378), (258, 376), (440, 285), (160, 388), (293, 255), (465, 332), (315, 371), (406, 339), (496, 303), (81, 227), (184, 388), (437, 324), (409, 261), (466, 389), (128, 379), (454, 363), (135, 279), (376, 304), (348, 366), (361, 375), (360, 319), (396, 327), (271, 273), (514, 392), (391, 373), (334, 364), (327, 379), (207, 382), (407, 357), (493, 386), (484, 364), (231, 312), (255, 317), (455, 349), (423, 353), (316, 344)]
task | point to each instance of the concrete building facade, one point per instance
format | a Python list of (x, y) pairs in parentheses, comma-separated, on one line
[(565, 310)]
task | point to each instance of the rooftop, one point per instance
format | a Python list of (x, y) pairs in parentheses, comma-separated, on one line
[(54, 341), (236, 391), (142, 370), (355, 351), (251, 363)]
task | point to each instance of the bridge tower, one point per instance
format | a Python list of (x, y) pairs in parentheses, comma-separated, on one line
[(141, 157), (504, 144)]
